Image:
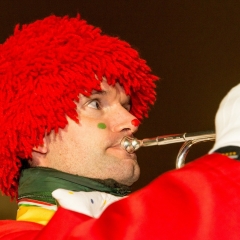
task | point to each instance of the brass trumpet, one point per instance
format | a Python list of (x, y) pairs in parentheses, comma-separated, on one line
[(189, 139)]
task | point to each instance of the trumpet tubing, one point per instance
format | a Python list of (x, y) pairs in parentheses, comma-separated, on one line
[(189, 139)]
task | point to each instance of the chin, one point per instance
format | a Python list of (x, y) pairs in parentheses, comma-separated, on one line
[(129, 182), (132, 177)]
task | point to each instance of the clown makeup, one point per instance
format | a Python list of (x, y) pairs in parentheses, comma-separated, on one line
[(135, 122), (101, 125)]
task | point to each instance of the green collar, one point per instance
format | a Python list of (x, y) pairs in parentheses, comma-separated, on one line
[(38, 183)]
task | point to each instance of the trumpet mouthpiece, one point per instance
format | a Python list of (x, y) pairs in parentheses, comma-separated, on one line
[(130, 144)]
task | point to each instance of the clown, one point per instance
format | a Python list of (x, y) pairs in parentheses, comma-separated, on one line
[(68, 95)]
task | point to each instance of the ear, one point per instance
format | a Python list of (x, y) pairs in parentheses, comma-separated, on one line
[(41, 148)]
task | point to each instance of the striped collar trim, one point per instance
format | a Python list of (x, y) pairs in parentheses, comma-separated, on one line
[(36, 203)]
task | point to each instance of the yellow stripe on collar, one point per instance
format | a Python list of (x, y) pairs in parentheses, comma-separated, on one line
[(34, 214)]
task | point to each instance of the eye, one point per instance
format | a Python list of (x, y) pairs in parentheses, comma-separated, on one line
[(95, 104)]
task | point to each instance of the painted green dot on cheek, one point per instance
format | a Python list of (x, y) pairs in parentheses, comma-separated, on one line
[(102, 125)]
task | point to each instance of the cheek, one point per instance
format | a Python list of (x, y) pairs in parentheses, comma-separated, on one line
[(90, 132), (101, 125)]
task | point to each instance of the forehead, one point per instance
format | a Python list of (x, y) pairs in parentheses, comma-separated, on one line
[(106, 87), (112, 90)]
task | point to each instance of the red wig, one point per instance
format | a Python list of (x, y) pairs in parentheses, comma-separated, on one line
[(44, 67)]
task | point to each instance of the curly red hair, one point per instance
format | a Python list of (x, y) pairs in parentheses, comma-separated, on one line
[(44, 67)]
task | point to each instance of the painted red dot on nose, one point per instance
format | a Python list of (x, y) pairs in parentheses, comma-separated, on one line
[(135, 122)]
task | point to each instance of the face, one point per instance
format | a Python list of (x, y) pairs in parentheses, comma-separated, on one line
[(92, 147)]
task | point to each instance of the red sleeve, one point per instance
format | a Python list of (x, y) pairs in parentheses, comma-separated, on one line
[(199, 201), (10, 229), (58, 228)]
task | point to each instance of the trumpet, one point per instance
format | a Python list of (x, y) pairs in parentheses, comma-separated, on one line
[(189, 139)]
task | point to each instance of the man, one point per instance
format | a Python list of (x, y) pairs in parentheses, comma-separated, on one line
[(62, 123), (69, 94)]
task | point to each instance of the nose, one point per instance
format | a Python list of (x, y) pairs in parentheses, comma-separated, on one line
[(125, 121)]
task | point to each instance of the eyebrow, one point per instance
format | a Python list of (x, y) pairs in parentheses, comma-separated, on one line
[(94, 92), (101, 93)]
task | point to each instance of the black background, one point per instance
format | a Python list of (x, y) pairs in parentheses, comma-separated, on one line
[(192, 45)]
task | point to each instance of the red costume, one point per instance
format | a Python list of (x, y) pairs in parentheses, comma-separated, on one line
[(198, 201)]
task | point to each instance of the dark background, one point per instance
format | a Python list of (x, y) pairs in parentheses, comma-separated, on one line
[(192, 45)]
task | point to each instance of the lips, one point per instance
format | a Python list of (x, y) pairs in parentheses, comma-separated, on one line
[(119, 152), (117, 143), (116, 146)]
